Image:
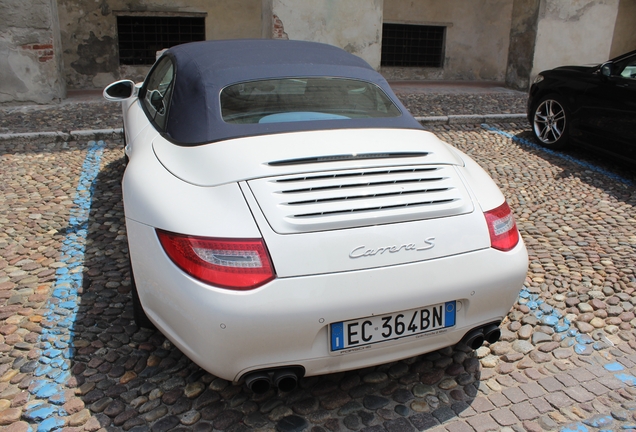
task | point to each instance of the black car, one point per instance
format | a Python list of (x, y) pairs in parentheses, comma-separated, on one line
[(593, 105)]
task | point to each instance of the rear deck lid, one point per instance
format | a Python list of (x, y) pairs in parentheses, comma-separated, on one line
[(268, 156)]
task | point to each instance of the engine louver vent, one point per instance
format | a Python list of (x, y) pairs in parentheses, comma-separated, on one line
[(348, 157), (346, 199)]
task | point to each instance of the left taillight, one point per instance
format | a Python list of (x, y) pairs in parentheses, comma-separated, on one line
[(504, 235), (236, 264)]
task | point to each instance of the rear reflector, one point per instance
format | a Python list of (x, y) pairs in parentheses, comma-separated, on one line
[(504, 235), (237, 264)]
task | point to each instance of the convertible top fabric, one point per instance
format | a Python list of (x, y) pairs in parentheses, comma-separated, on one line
[(203, 69)]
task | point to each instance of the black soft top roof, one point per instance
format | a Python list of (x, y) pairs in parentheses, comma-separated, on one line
[(203, 69)]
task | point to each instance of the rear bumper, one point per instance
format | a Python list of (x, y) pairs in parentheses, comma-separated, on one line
[(285, 323)]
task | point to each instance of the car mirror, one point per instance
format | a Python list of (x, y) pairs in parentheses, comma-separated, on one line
[(120, 91), (606, 69)]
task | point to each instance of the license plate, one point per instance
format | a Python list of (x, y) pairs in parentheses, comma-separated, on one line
[(375, 329)]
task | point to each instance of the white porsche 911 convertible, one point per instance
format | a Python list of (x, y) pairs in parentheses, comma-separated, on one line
[(288, 217)]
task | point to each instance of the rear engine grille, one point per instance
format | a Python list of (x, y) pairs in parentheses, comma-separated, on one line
[(349, 157), (361, 174), (345, 199), (333, 212)]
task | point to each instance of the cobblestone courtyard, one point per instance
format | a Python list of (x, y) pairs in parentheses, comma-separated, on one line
[(72, 359)]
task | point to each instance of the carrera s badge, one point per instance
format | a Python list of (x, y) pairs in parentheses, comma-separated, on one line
[(363, 251)]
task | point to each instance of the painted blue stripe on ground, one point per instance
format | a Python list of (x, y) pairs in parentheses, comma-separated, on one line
[(56, 340), (563, 156)]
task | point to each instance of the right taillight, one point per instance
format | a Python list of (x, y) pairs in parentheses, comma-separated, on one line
[(504, 235)]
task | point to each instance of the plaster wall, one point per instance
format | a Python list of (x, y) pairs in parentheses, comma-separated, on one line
[(89, 32), (624, 39), (355, 26), (523, 34), (30, 54), (574, 33), (477, 37)]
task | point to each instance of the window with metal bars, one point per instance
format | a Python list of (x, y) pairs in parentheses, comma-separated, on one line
[(412, 45), (140, 37)]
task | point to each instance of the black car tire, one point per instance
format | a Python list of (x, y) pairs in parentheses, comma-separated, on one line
[(551, 122), (141, 319)]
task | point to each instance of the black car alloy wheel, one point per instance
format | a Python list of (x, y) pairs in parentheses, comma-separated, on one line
[(550, 122)]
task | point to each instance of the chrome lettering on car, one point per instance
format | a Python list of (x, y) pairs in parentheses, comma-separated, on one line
[(363, 251)]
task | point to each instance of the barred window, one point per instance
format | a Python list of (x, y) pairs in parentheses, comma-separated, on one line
[(140, 37), (413, 45)]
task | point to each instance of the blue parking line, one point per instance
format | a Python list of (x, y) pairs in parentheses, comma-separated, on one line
[(563, 156), (56, 339)]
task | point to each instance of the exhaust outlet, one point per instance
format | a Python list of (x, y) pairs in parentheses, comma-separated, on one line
[(474, 339), (492, 333), (285, 380), (258, 382)]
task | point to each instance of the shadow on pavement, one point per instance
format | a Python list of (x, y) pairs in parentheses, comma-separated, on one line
[(582, 163)]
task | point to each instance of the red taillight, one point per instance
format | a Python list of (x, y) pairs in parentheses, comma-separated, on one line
[(502, 228), (241, 264)]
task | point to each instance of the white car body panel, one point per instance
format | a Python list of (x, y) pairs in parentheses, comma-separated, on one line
[(413, 235), (315, 274), (156, 198), (285, 322), (135, 123), (487, 194), (248, 158), (344, 250)]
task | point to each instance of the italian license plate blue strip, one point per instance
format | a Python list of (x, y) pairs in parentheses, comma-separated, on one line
[(449, 318), (337, 336)]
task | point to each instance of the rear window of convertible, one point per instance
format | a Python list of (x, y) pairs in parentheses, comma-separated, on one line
[(304, 99)]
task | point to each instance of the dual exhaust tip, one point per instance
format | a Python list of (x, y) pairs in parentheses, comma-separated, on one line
[(285, 379), (476, 337)]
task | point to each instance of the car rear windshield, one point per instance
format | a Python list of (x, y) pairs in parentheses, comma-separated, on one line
[(304, 99)]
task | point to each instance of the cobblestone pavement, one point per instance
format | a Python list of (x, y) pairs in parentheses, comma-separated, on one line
[(72, 359), (94, 114)]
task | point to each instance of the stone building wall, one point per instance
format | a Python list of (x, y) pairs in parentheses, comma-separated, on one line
[(624, 37), (89, 32), (47, 46), (30, 52), (355, 26), (477, 37), (523, 35)]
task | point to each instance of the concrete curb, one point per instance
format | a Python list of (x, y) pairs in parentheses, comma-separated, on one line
[(473, 119), (97, 134)]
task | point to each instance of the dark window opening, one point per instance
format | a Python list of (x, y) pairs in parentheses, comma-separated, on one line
[(140, 37), (412, 45)]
